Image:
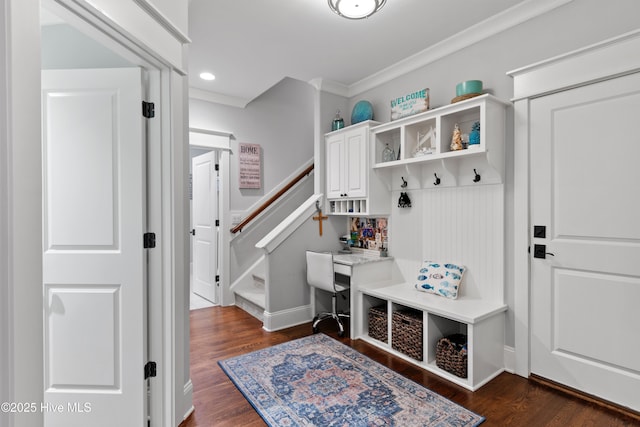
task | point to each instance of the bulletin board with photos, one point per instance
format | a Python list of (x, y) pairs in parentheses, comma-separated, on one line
[(369, 233)]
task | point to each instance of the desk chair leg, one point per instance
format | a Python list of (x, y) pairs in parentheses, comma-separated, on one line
[(334, 315)]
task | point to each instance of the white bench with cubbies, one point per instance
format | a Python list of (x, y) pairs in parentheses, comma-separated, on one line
[(482, 322)]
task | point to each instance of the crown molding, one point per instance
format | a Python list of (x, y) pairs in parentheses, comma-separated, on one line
[(496, 24), (217, 98), (155, 13), (330, 86)]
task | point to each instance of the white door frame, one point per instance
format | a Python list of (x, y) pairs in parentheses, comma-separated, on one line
[(20, 140), (602, 61), (160, 320)]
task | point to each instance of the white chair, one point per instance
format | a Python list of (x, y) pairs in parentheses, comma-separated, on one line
[(320, 275)]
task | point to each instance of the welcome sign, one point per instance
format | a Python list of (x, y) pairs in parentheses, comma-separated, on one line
[(410, 104)]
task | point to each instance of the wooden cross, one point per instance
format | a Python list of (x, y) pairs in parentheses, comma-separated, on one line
[(319, 218)]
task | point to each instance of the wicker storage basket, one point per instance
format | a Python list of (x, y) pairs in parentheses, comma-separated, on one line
[(451, 354), (406, 331), (378, 323)]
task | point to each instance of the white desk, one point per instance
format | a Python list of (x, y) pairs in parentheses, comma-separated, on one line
[(362, 270)]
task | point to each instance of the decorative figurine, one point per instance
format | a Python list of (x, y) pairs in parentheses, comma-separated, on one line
[(456, 139), (338, 122), (388, 155), (474, 136)]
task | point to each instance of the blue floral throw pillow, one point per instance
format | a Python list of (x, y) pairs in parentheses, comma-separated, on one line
[(440, 278)]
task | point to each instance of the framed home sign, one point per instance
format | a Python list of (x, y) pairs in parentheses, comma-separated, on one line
[(250, 166), (409, 104)]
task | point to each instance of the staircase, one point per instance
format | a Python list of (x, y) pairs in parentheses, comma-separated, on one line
[(250, 292), (249, 282), (252, 299)]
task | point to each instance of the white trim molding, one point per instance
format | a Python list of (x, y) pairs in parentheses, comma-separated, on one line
[(509, 18), (608, 59), (290, 224), (286, 318), (163, 21), (188, 397), (324, 85), (217, 98)]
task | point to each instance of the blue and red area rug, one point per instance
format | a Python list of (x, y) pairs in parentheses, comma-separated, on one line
[(318, 381)]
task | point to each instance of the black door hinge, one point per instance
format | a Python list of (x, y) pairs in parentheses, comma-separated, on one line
[(148, 109), (149, 240), (217, 278), (150, 370), (217, 167), (217, 223)]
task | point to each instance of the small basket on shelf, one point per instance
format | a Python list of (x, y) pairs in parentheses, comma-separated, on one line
[(406, 333), (378, 323), (451, 354)]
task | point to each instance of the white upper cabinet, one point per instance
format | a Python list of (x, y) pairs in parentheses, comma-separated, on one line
[(351, 185)]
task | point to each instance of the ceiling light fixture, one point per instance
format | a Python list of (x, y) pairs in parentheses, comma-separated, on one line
[(207, 76), (356, 9)]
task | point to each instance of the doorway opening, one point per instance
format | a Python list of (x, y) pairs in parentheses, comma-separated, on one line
[(209, 249)]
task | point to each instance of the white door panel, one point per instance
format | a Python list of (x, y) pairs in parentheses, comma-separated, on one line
[(584, 294), (335, 148), (357, 164), (80, 211), (205, 213), (94, 261)]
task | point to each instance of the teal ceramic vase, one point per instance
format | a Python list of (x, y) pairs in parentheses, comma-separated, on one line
[(362, 111)]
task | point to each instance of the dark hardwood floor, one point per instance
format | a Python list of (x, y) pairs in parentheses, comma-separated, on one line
[(218, 333)]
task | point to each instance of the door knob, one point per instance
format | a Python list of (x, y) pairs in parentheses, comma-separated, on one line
[(540, 251)]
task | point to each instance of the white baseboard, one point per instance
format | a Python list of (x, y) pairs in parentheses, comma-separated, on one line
[(188, 397), (286, 318), (509, 359)]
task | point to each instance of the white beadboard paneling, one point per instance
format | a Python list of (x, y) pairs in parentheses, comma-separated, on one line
[(457, 224)]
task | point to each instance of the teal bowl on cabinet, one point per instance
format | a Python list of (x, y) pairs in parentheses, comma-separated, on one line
[(469, 87)]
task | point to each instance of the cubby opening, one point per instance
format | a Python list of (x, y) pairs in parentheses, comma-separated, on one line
[(375, 323), (464, 119), (407, 331), (439, 327), (356, 206), (420, 139), (391, 138)]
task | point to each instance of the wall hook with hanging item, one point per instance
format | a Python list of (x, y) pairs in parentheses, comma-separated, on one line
[(404, 201), (437, 181), (404, 182), (477, 177)]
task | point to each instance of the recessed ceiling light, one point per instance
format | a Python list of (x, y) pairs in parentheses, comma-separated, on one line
[(207, 76)]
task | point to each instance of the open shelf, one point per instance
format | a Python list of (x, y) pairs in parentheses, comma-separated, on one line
[(424, 144)]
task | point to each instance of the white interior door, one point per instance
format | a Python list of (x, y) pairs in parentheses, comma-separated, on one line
[(584, 298), (205, 214), (94, 274)]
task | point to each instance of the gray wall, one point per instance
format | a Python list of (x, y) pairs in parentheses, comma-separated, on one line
[(572, 26), (280, 120)]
